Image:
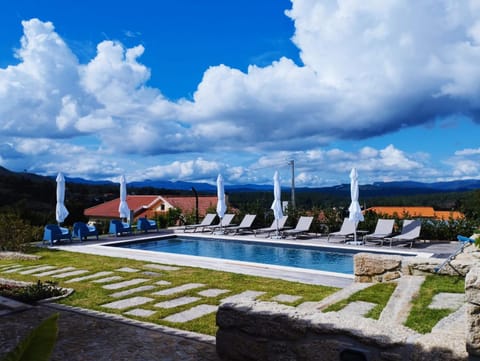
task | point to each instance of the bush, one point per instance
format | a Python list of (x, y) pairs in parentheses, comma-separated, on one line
[(15, 234), (31, 293)]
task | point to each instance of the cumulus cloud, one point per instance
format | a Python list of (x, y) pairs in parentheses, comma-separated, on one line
[(368, 68)]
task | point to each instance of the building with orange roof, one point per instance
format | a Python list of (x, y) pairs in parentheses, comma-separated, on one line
[(418, 212), (151, 205)]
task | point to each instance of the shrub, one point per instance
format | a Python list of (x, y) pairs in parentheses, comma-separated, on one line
[(15, 234), (31, 293)]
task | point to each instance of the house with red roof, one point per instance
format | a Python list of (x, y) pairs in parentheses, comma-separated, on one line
[(151, 205), (416, 212)]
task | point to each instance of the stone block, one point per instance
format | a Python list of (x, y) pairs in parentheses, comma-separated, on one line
[(472, 286), (473, 329), (370, 267)]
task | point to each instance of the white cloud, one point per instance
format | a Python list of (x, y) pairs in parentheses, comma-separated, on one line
[(369, 68), (468, 151)]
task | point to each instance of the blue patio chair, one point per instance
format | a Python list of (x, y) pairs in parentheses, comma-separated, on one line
[(117, 227), (54, 233), (145, 224), (82, 231)]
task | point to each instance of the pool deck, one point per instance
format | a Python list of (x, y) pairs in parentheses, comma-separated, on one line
[(439, 249)]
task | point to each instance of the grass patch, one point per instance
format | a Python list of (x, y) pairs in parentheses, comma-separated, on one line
[(421, 318), (378, 293), (91, 295)]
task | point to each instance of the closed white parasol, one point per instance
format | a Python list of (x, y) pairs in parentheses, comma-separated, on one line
[(61, 211), (123, 206), (355, 212), (277, 200)]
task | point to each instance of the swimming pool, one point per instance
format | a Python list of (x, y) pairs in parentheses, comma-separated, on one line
[(339, 261)]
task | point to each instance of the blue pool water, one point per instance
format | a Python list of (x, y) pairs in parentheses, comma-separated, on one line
[(340, 261)]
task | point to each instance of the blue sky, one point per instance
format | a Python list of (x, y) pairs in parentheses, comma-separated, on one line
[(186, 89)]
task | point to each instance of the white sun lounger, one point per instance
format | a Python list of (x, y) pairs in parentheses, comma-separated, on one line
[(273, 228), (383, 229), (224, 222), (245, 224), (410, 233), (207, 221), (303, 226), (347, 230)]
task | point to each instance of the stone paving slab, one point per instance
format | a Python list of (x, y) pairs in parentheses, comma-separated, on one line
[(286, 298), (128, 302), (212, 292), (116, 286), (244, 296), (140, 312), (163, 283), (452, 301), (132, 291), (5, 267), (191, 314), (58, 270), (453, 323), (108, 279), (357, 308), (398, 306), (334, 297), (128, 270), (69, 274), (151, 274), (89, 277), (182, 288), (161, 267), (37, 269), (17, 269), (177, 302)]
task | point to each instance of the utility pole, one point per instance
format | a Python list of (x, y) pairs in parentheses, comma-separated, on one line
[(292, 163)]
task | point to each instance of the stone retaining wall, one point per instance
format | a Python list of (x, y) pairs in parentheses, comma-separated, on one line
[(263, 331)]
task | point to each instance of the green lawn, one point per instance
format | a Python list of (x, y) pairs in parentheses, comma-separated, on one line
[(422, 318), (91, 295)]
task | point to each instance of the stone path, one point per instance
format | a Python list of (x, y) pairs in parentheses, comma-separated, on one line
[(155, 293)]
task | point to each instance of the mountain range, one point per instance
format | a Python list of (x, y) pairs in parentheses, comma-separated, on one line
[(379, 188)]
